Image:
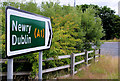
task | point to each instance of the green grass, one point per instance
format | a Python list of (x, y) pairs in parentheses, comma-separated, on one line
[(114, 40)]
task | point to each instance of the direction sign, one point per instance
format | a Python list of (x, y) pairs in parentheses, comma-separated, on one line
[(26, 32)]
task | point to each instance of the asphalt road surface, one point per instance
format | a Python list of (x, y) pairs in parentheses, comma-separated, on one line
[(110, 48)]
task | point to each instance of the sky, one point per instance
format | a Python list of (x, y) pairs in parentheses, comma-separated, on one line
[(113, 4)]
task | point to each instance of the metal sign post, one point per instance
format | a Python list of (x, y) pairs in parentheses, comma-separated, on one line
[(40, 66), (10, 70), (26, 32)]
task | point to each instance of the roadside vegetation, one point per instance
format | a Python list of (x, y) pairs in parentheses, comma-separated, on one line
[(113, 40), (74, 29), (105, 68)]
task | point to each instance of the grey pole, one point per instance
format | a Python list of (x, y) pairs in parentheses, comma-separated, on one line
[(40, 66), (74, 3), (10, 70)]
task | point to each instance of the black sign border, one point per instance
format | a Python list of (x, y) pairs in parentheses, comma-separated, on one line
[(9, 7)]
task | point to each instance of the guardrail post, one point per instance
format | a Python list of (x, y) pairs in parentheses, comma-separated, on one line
[(94, 54), (72, 63), (86, 58)]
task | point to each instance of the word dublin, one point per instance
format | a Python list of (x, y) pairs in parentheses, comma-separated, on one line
[(21, 28)]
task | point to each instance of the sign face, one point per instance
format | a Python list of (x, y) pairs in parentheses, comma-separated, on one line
[(26, 32)]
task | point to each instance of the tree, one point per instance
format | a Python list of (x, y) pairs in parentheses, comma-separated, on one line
[(107, 16), (72, 30), (85, 6), (116, 27), (92, 27)]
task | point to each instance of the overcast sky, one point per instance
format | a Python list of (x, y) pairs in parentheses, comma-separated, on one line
[(113, 4)]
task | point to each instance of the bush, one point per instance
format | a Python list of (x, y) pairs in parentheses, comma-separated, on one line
[(73, 31)]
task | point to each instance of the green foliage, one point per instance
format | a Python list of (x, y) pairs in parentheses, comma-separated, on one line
[(92, 26), (110, 21), (107, 16), (73, 31), (116, 29)]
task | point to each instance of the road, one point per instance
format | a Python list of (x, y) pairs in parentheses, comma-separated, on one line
[(110, 48)]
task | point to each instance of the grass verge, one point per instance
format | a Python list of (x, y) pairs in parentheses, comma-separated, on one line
[(114, 40), (105, 68)]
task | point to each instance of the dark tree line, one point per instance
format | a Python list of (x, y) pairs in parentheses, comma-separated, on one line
[(110, 21)]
